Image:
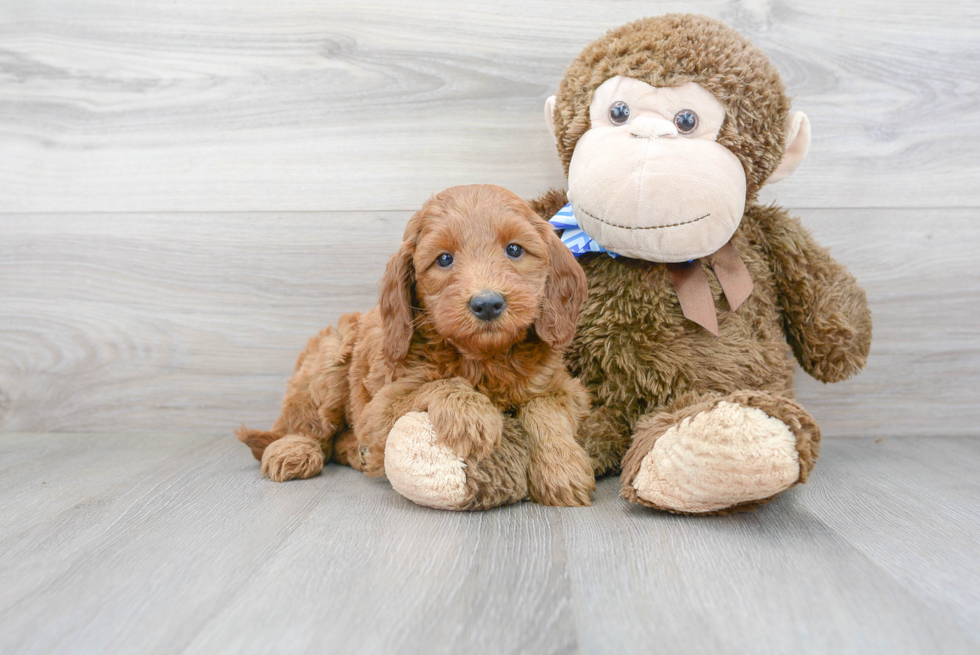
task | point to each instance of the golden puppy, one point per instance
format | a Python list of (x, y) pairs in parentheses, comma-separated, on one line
[(475, 310)]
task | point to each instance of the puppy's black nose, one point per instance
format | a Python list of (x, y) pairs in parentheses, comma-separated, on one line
[(487, 305)]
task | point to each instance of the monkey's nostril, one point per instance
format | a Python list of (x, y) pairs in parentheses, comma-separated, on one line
[(650, 128), (487, 305)]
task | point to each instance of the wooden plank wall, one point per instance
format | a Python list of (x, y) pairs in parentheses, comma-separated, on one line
[(188, 189)]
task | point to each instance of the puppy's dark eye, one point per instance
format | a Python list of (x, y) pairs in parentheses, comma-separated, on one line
[(445, 260), (686, 121), (514, 251), (619, 112)]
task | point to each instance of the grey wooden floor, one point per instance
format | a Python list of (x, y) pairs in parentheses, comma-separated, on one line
[(123, 544)]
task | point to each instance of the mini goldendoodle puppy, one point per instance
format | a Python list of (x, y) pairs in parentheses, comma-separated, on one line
[(454, 385)]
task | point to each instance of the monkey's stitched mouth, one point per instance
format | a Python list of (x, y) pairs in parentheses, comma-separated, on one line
[(652, 227)]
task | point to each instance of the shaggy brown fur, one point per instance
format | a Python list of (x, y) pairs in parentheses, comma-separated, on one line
[(496, 392), (645, 365)]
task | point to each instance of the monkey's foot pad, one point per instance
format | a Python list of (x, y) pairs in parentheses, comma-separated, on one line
[(719, 458), (421, 469)]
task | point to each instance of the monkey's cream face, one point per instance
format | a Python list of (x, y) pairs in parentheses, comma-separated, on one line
[(649, 180)]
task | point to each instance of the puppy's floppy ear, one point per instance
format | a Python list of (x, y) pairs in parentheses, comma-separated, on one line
[(395, 303), (564, 293)]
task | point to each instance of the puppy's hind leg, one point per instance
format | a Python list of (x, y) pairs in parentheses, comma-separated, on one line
[(312, 410)]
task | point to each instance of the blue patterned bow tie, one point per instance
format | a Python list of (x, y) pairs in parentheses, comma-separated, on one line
[(573, 236)]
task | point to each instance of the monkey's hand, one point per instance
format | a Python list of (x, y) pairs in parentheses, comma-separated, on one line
[(828, 323)]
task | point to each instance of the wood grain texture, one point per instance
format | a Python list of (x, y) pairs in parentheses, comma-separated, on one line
[(912, 504), (149, 323), (923, 373), (191, 551), (779, 580), (246, 105), (129, 321)]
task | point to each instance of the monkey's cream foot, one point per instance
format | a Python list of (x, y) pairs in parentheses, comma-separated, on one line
[(421, 468), (720, 455), (424, 469), (293, 456)]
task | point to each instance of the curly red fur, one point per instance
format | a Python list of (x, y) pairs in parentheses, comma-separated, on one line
[(423, 349)]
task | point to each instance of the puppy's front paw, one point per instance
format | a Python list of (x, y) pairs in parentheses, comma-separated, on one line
[(370, 459), (293, 456), (468, 423), (561, 475)]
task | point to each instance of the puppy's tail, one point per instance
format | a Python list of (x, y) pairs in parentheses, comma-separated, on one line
[(257, 440)]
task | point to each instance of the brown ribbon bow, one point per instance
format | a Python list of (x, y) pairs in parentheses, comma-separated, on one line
[(694, 293)]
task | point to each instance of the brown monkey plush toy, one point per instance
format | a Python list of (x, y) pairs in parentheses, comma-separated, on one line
[(667, 129)]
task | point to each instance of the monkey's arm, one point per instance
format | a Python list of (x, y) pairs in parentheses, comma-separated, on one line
[(828, 323)]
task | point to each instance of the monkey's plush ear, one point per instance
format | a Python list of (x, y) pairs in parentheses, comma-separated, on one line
[(797, 144), (395, 304), (564, 294), (549, 114)]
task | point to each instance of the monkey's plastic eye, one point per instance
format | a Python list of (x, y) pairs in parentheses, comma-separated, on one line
[(686, 121), (619, 112), (514, 251), (445, 260)]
